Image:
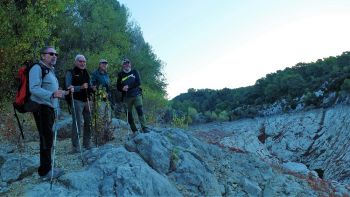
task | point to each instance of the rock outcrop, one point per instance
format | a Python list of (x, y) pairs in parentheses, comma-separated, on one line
[(300, 154), (313, 143)]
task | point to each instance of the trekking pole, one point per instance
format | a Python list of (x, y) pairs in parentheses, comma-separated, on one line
[(21, 143), (76, 129), (18, 122), (54, 147), (95, 118), (88, 101), (127, 111), (126, 108)]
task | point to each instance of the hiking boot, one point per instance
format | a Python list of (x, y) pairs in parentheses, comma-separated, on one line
[(57, 172)]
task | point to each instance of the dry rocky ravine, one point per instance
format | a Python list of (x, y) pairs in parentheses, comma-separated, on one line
[(300, 154)]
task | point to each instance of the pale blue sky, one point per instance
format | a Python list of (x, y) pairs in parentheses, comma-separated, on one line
[(232, 43)]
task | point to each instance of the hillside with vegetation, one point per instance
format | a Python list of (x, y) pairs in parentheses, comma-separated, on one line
[(96, 29), (285, 154), (303, 86)]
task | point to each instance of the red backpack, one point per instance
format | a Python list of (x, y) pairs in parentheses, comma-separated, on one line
[(22, 102)]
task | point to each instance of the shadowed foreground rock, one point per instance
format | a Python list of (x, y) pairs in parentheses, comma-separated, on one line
[(111, 171)]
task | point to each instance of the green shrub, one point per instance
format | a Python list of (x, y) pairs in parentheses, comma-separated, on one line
[(223, 116), (310, 99), (102, 120), (346, 85), (179, 121)]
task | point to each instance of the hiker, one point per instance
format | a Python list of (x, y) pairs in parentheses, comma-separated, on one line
[(45, 91), (128, 83), (103, 103), (79, 78), (100, 77)]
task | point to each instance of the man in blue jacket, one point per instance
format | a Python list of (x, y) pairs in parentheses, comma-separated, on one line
[(100, 77)]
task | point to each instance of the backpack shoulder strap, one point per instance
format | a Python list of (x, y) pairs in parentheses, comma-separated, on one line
[(44, 70)]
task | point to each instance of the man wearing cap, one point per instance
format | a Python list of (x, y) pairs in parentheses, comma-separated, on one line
[(129, 83), (100, 77)]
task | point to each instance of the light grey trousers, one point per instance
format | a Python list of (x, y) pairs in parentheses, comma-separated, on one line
[(81, 109)]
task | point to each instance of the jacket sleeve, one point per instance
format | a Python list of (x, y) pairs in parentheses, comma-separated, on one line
[(137, 82), (119, 83), (35, 82), (94, 80), (90, 84), (68, 79)]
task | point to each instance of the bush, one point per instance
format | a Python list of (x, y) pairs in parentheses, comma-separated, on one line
[(102, 120), (191, 115), (311, 99), (346, 85), (179, 121), (223, 116), (9, 129), (153, 101), (244, 112)]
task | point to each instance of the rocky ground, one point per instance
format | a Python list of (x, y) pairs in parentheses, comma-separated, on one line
[(65, 160), (302, 154)]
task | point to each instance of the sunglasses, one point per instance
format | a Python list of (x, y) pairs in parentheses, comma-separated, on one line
[(52, 54), (82, 61)]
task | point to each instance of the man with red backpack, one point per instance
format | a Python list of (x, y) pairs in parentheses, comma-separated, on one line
[(44, 90)]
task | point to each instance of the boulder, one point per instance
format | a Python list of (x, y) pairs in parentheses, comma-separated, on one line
[(112, 172), (296, 167), (194, 176), (154, 148), (17, 167)]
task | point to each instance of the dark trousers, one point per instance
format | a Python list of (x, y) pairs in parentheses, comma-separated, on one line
[(137, 103), (44, 120)]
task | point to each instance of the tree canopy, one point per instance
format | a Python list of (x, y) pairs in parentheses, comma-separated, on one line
[(96, 29), (330, 74)]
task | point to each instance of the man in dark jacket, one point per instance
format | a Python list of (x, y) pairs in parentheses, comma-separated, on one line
[(129, 83), (79, 78)]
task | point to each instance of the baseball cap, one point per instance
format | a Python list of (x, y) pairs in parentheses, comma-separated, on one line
[(125, 61), (103, 61)]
